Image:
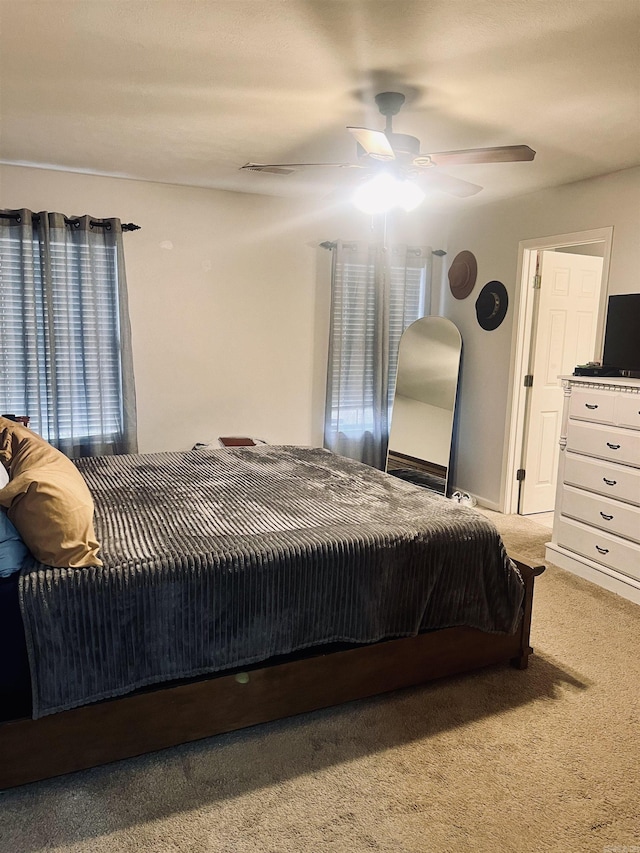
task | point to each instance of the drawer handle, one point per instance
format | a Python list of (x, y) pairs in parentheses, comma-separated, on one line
[(606, 517), (602, 550), (613, 446), (609, 482), (591, 405)]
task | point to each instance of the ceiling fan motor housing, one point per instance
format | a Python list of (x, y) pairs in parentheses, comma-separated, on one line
[(404, 145), (389, 103)]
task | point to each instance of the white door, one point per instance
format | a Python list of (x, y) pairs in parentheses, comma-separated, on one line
[(564, 335)]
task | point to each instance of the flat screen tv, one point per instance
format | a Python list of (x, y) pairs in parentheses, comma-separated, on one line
[(622, 334)]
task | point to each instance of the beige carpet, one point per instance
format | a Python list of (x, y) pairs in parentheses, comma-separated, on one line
[(542, 760)]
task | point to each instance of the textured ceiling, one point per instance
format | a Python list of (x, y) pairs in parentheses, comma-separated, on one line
[(187, 91)]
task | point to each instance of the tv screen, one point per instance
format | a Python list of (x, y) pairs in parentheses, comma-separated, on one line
[(622, 333)]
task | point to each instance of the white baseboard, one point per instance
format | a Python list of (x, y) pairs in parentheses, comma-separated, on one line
[(487, 504)]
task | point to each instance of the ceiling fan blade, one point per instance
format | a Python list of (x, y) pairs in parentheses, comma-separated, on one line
[(432, 179), (290, 168), (374, 142), (470, 156)]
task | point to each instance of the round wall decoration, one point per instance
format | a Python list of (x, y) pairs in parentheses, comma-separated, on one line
[(491, 305), (462, 274)]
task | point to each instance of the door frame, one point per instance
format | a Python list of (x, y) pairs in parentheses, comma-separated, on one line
[(521, 343)]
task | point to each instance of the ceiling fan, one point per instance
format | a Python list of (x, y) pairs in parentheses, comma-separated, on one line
[(400, 153)]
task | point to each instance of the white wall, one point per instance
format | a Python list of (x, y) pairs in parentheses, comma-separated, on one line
[(230, 324), (493, 233), (221, 295), (228, 296)]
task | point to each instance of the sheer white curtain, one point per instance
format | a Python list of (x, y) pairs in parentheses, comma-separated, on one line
[(65, 340), (376, 292)]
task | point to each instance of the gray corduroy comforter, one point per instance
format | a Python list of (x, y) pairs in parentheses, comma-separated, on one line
[(216, 559)]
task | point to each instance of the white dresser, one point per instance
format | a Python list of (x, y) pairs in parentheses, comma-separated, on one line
[(596, 528)]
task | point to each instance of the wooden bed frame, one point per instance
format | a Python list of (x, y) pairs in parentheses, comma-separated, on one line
[(150, 720)]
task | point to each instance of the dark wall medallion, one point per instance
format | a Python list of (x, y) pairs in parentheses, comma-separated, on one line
[(491, 305)]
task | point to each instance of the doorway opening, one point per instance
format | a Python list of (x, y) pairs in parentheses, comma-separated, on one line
[(559, 323)]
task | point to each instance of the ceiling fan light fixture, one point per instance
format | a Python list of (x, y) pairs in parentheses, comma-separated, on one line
[(377, 195), (384, 191), (409, 195)]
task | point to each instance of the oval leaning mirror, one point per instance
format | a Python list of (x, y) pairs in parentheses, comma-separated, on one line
[(424, 403)]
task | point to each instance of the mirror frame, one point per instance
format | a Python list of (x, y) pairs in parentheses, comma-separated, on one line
[(420, 471)]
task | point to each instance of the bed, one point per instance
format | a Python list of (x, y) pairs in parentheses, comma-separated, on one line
[(243, 585)]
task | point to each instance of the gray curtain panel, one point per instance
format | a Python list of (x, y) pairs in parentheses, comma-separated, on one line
[(376, 292), (65, 335)]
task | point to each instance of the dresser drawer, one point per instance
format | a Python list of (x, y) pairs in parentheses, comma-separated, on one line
[(598, 406), (627, 412), (613, 481), (616, 445), (613, 516), (600, 547)]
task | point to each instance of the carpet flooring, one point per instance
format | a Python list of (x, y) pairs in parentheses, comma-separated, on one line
[(545, 759)]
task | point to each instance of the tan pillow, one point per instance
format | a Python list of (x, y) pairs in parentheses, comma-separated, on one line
[(47, 499)]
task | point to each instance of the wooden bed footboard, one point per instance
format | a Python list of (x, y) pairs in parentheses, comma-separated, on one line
[(529, 574), (146, 721)]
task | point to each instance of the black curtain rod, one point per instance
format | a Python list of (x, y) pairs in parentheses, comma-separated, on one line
[(96, 223), (328, 244)]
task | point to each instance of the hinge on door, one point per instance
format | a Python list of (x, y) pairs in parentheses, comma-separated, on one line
[(520, 474), (537, 281), (528, 380)]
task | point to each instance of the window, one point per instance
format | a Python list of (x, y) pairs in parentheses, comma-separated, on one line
[(63, 356), (376, 294)]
